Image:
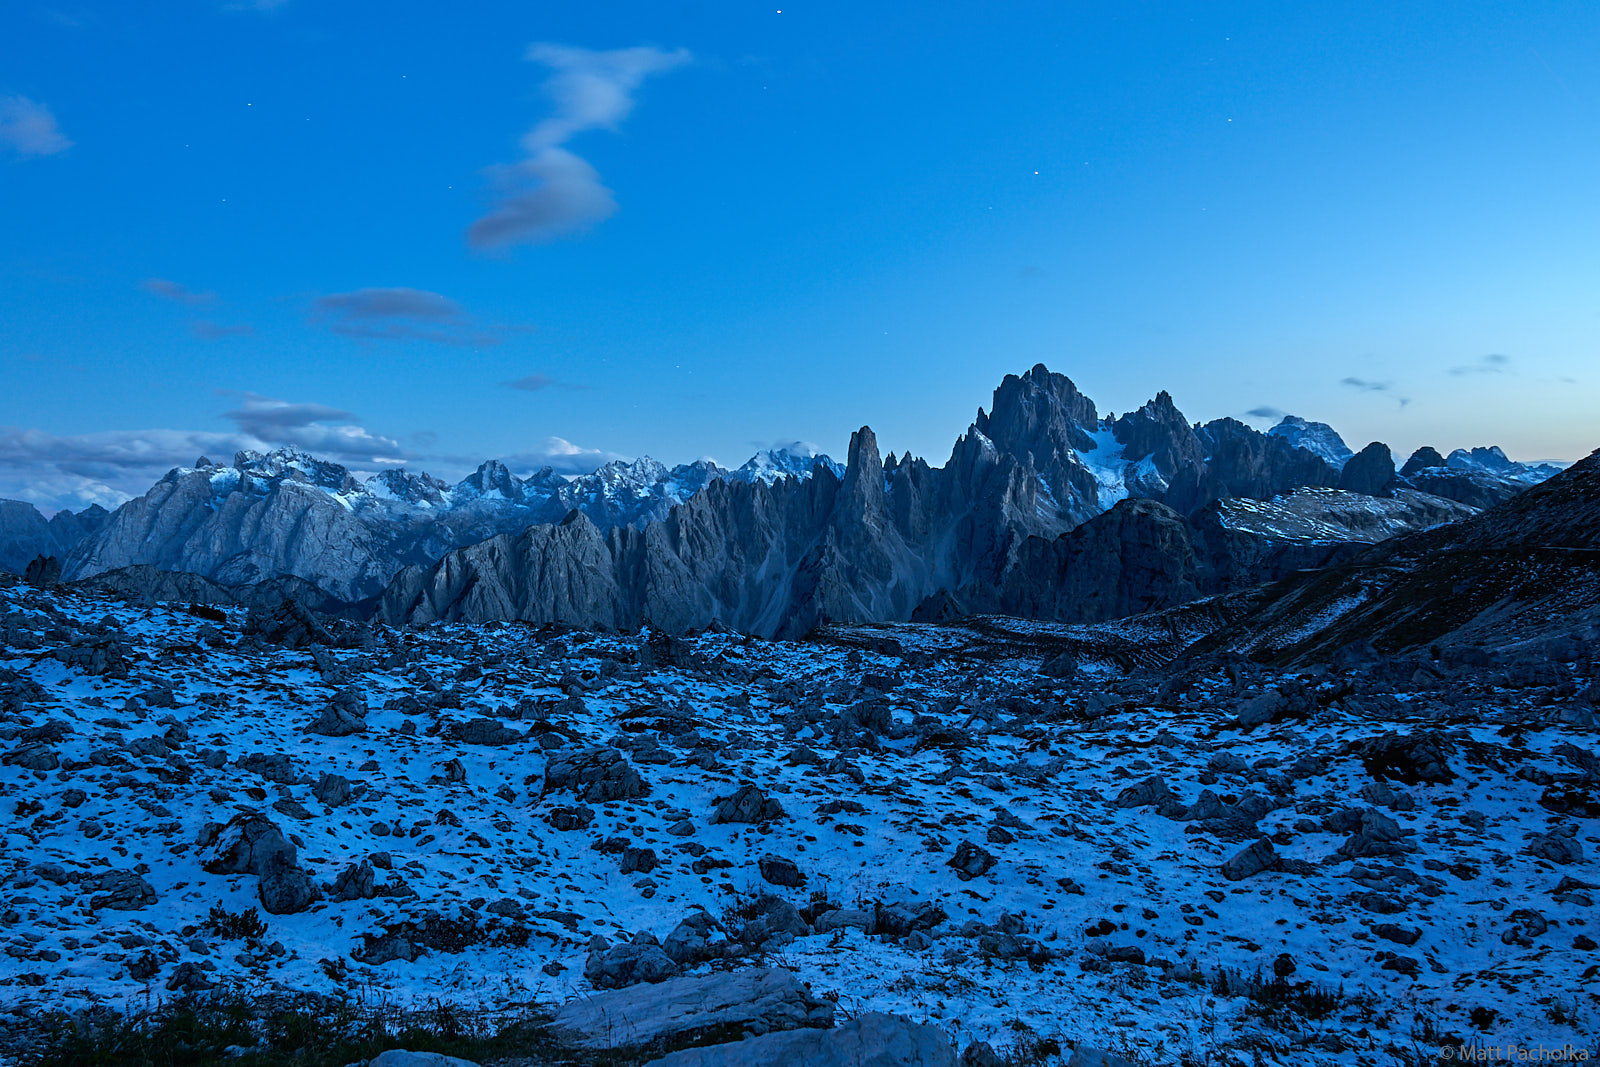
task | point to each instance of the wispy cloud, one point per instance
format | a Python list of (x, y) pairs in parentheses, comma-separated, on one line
[(107, 468), (177, 293), (535, 383), (401, 314), (1265, 412), (555, 193), (28, 128), (1494, 363), (327, 432), (207, 330), (1367, 385), (561, 455)]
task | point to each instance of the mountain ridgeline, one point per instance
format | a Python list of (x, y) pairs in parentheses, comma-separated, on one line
[(1044, 509)]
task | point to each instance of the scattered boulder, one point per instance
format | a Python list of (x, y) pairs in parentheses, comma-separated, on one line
[(971, 861), (483, 731), (251, 843), (617, 966), (597, 774), (401, 1058), (748, 804), (1409, 758), (344, 715), (122, 891), (775, 870), (1253, 859), (288, 623)]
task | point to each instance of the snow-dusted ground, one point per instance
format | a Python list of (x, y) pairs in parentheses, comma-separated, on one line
[(1044, 765)]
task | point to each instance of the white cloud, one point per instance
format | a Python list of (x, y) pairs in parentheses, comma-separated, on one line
[(554, 193), (562, 455), (29, 129)]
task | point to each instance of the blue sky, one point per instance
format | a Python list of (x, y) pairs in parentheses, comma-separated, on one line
[(694, 228)]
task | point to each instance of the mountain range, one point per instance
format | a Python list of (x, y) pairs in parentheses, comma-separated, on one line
[(1044, 509)]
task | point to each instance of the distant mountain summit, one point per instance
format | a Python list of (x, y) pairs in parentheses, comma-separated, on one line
[(1318, 438), (795, 460)]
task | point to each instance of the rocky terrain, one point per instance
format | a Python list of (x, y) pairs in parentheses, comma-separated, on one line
[(1149, 835)]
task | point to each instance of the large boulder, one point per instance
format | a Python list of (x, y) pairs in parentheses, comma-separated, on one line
[(758, 1000), (122, 891), (344, 715), (870, 1040), (595, 774), (1409, 758), (290, 624), (250, 843), (1253, 859), (748, 804), (617, 966)]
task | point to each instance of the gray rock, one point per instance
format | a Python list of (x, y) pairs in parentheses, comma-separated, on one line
[(759, 1000), (484, 731), (401, 1058), (332, 790), (597, 774), (273, 766), (689, 942), (629, 963), (748, 804), (842, 918), (1559, 846), (251, 843), (971, 861), (122, 891), (344, 715), (775, 870), (1253, 859), (355, 882)]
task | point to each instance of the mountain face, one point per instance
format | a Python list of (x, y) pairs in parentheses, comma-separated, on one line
[(1044, 508), (287, 513), (1318, 438), (1522, 572), (26, 534), (1480, 477)]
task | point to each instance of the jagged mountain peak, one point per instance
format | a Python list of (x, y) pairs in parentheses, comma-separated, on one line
[(492, 477), (280, 462)]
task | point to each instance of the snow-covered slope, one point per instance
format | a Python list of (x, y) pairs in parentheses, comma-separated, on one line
[(945, 830)]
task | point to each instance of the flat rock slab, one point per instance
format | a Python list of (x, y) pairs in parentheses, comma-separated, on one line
[(873, 1040), (396, 1057), (761, 1000)]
